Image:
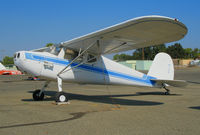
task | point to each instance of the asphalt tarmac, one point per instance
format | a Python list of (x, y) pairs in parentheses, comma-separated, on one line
[(101, 110)]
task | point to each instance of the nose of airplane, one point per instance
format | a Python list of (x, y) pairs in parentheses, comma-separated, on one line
[(18, 60)]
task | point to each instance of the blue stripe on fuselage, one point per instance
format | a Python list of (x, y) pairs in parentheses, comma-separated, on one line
[(145, 79)]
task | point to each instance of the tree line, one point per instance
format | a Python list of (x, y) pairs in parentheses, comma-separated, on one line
[(7, 60), (176, 51)]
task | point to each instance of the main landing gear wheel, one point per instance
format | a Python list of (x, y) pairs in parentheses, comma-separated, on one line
[(61, 97), (38, 95), (167, 93)]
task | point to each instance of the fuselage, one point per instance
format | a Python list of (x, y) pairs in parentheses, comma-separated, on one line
[(101, 71)]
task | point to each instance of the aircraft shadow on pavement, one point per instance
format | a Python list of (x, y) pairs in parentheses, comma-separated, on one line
[(156, 93), (195, 107), (108, 99), (192, 82)]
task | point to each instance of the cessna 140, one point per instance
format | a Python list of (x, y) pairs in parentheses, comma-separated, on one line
[(81, 60)]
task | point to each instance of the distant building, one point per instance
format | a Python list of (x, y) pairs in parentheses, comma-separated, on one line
[(11, 67), (137, 64), (182, 62), (146, 64)]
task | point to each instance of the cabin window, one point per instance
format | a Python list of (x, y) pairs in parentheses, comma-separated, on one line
[(15, 55), (70, 54), (18, 55)]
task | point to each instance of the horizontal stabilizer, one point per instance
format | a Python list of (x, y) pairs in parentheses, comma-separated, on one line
[(175, 83)]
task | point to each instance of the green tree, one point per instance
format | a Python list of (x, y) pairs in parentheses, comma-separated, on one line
[(49, 44), (149, 52), (116, 57), (122, 57), (137, 54), (188, 53), (176, 51), (7, 60), (195, 53), (157, 49)]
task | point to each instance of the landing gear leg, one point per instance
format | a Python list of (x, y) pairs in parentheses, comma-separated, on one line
[(167, 90), (60, 97), (38, 95)]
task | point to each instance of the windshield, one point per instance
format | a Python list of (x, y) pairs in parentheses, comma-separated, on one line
[(15, 55)]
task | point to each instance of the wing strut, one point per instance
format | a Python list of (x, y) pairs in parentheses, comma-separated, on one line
[(77, 65), (80, 54), (61, 97)]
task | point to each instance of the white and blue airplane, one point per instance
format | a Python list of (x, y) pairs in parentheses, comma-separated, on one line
[(81, 60)]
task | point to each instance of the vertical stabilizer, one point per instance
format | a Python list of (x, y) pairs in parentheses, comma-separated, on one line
[(162, 67), (2, 67)]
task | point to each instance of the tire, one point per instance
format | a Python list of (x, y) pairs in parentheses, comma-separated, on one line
[(167, 93), (61, 97), (37, 97)]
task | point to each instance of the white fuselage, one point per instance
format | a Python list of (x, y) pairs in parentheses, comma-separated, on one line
[(102, 71)]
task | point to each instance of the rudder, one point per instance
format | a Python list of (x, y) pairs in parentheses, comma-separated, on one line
[(162, 67)]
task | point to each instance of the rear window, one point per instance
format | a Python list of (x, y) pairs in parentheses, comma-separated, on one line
[(91, 58)]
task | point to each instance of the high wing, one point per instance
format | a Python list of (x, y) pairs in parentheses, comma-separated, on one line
[(132, 34)]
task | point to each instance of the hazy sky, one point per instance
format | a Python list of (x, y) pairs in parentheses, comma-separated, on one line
[(30, 24)]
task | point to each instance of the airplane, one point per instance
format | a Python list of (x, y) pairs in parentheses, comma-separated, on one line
[(81, 60), (4, 71)]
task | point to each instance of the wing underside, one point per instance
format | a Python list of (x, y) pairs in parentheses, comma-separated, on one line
[(132, 34)]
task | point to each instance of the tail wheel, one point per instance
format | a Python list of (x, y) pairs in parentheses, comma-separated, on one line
[(61, 97), (38, 95)]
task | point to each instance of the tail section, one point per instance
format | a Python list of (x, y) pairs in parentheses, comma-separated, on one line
[(2, 67), (162, 67)]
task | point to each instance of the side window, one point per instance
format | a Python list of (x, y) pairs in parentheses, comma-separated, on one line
[(91, 58), (70, 54)]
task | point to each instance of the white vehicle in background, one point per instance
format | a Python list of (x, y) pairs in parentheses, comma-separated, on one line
[(81, 60), (195, 62)]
